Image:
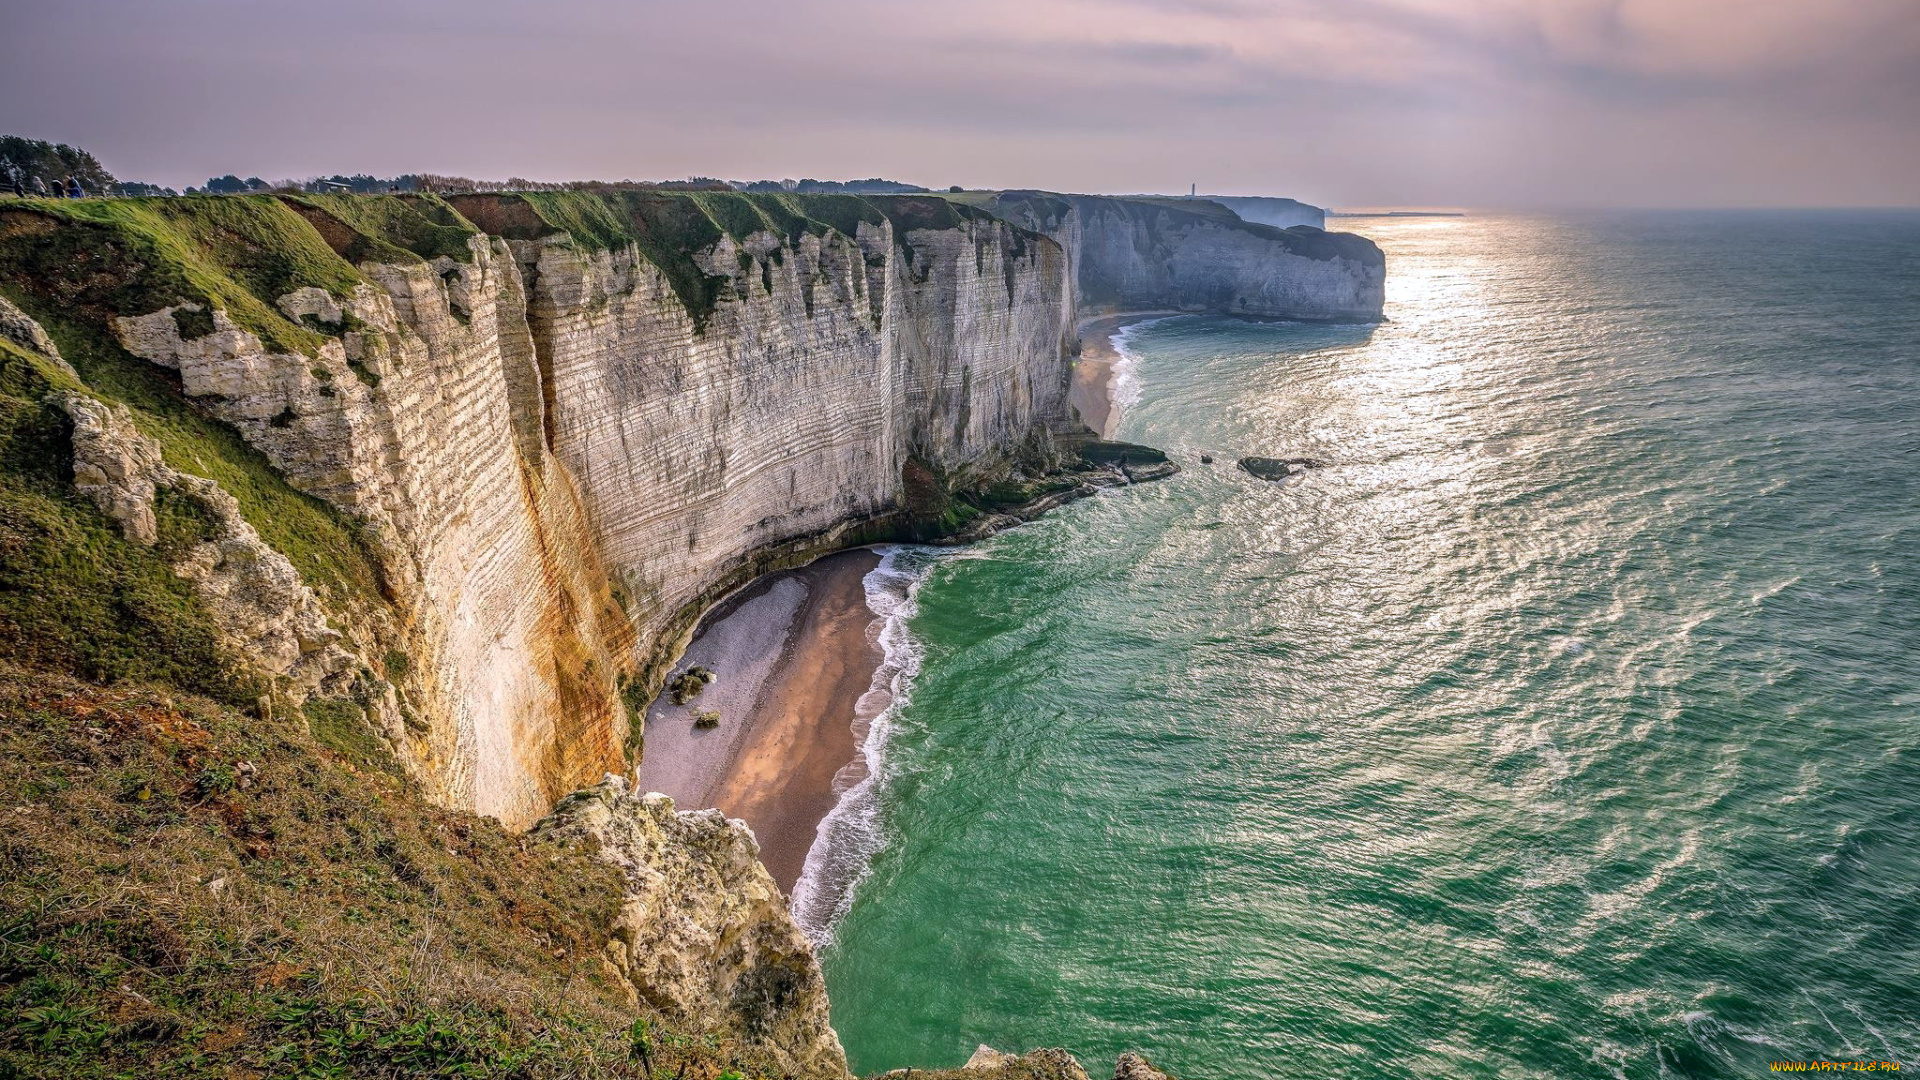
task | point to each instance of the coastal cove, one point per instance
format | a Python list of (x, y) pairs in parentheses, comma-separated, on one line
[(797, 659), (806, 542)]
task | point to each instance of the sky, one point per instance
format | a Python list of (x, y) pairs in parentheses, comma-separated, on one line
[(1410, 103)]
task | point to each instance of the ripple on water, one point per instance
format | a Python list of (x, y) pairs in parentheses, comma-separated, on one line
[(1566, 725)]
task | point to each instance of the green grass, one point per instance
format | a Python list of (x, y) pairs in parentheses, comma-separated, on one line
[(340, 725), (74, 595), (390, 228), (191, 891), (135, 256), (184, 522)]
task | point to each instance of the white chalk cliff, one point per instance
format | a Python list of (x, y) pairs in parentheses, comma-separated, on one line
[(567, 424)]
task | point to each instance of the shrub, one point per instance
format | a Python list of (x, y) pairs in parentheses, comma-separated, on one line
[(687, 685)]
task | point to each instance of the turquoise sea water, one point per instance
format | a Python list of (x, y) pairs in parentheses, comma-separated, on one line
[(1566, 724)]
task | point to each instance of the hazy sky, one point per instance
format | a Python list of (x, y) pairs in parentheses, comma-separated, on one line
[(1362, 102)]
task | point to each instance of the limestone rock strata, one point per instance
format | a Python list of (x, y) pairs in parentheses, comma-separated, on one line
[(405, 419), (262, 609), (1133, 254), (560, 465), (704, 934)]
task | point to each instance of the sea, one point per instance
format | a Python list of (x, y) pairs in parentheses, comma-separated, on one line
[(1563, 721)]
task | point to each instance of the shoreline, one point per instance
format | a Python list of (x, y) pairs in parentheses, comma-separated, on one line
[(795, 652), (793, 656), (1091, 390)]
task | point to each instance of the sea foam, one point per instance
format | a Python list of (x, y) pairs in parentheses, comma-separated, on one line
[(852, 832), (1124, 390)]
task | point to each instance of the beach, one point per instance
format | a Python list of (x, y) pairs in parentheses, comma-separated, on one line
[(1091, 392), (792, 656)]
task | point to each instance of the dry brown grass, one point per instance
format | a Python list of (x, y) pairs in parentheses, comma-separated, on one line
[(186, 890)]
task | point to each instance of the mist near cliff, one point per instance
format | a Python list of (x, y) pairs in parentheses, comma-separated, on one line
[(1380, 102)]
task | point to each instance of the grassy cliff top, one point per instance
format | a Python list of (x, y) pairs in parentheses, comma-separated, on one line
[(101, 258), (669, 227)]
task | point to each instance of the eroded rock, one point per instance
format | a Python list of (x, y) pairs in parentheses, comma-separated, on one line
[(1278, 468), (1132, 1066), (266, 614), (704, 934), (16, 326)]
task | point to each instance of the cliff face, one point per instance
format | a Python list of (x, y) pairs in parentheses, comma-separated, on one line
[(465, 472), (1141, 253), (545, 431), (562, 427)]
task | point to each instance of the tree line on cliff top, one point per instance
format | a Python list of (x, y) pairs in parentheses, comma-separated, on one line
[(38, 167)]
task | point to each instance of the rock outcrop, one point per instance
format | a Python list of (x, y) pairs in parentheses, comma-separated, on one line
[(16, 327), (1267, 468), (1132, 1066), (704, 935), (267, 616)]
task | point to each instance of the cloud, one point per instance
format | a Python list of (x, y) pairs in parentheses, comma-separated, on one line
[(1404, 101)]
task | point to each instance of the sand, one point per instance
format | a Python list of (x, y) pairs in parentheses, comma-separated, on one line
[(793, 656), (1091, 392)]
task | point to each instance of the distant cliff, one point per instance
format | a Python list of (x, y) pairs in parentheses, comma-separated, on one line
[(1267, 210), (1141, 252)]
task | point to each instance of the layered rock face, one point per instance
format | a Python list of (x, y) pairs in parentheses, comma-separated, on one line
[(1194, 255), (406, 421), (564, 445)]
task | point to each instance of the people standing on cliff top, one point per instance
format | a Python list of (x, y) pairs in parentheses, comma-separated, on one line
[(40, 187), (74, 190)]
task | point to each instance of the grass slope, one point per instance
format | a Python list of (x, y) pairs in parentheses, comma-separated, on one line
[(76, 267), (135, 256), (190, 891), (74, 596)]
